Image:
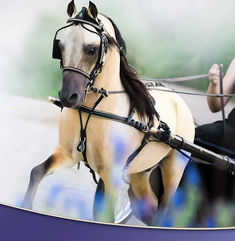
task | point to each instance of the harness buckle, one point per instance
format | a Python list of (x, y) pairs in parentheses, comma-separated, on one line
[(104, 92), (81, 147), (146, 129), (150, 85), (96, 72)]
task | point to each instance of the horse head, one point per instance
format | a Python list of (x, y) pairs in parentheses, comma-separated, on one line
[(81, 48), (91, 43)]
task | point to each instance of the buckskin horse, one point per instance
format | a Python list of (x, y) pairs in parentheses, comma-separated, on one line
[(97, 77)]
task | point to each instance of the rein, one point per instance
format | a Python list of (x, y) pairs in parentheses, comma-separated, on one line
[(177, 79), (153, 84)]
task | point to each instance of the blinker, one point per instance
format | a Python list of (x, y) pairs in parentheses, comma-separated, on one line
[(56, 52), (82, 15)]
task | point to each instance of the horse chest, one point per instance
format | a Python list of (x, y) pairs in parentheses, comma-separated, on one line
[(69, 131), (109, 143)]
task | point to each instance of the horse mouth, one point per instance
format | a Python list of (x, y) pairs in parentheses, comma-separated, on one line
[(72, 93)]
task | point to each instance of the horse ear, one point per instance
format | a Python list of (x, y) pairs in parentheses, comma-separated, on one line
[(71, 9), (93, 10)]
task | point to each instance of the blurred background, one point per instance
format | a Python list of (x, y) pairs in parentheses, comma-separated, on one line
[(165, 38)]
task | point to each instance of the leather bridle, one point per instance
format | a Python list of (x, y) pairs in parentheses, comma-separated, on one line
[(83, 19)]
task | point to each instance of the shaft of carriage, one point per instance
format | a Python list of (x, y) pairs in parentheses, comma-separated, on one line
[(179, 143)]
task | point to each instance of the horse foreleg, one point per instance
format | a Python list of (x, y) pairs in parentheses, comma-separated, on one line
[(172, 169), (106, 213), (57, 160), (144, 202)]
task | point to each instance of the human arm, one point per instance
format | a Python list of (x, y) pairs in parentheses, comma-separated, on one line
[(214, 103)]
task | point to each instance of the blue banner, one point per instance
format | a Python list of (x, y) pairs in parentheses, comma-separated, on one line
[(17, 224)]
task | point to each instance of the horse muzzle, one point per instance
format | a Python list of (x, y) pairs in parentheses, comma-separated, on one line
[(72, 93)]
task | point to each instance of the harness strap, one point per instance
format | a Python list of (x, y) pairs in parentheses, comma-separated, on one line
[(131, 114), (138, 125), (163, 129), (105, 92), (82, 145), (163, 134), (107, 115), (144, 142), (154, 86)]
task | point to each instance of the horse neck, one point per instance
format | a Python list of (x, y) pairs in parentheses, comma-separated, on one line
[(109, 79)]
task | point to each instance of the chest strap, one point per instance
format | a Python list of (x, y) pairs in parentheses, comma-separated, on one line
[(83, 137)]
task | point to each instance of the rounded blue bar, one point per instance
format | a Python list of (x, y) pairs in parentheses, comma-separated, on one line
[(17, 224)]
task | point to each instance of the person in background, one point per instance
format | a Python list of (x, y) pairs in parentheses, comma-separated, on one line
[(214, 87), (214, 133), (217, 184)]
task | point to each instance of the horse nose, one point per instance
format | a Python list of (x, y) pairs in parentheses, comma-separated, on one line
[(73, 97), (68, 100)]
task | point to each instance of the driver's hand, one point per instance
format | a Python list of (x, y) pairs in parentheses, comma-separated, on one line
[(214, 74)]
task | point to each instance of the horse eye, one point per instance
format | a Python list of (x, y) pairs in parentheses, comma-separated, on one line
[(90, 50)]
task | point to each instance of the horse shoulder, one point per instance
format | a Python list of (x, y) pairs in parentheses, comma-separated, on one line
[(185, 122), (178, 117), (69, 132)]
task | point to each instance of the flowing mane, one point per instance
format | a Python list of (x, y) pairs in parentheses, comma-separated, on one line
[(139, 96)]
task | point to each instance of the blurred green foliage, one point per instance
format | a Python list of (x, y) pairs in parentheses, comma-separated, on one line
[(40, 76), (161, 43), (171, 45)]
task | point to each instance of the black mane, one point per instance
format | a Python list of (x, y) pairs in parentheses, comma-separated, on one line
[(139, 96)]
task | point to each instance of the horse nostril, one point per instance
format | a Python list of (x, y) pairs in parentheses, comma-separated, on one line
[(68, 100), (73, 97)]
